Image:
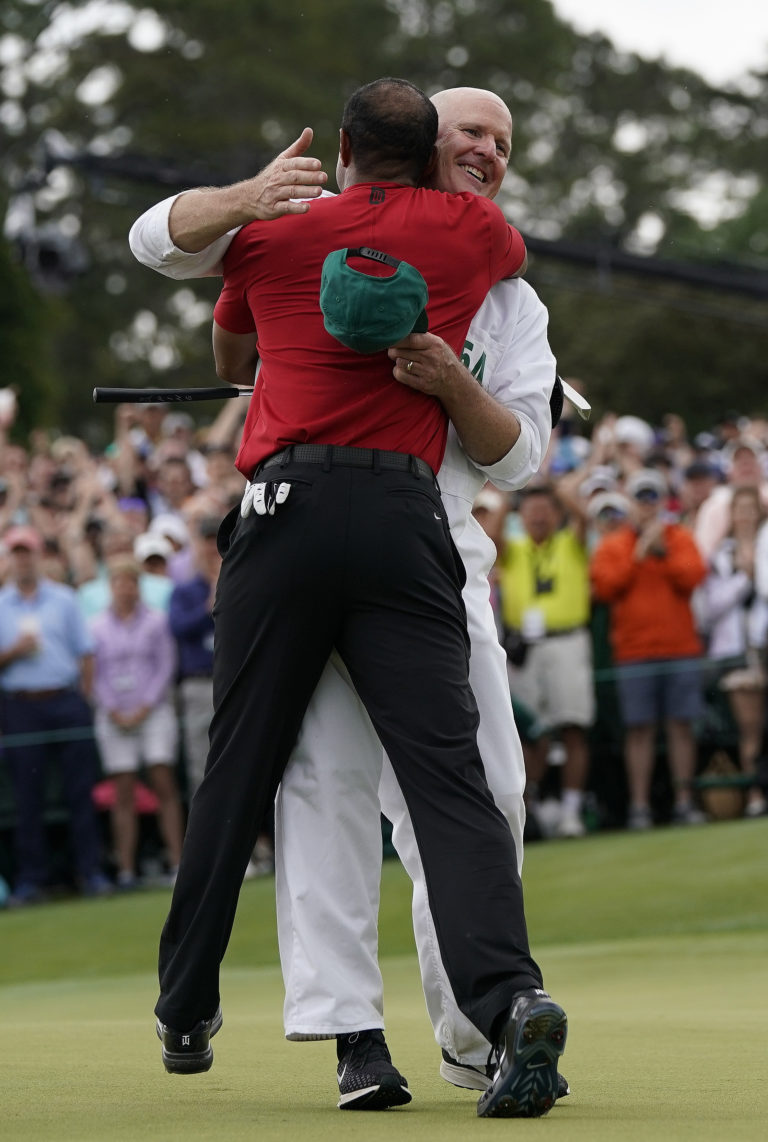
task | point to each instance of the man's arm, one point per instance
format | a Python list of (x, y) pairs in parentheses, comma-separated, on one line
[(25, 646), (501, 408), (188, 235), (236, 355), (200, 217), (87, 666), (486, 429)]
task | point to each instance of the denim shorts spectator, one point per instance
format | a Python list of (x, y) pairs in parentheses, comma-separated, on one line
[(655, 690)]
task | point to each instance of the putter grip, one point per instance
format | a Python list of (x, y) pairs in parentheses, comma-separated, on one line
[(164, 396)]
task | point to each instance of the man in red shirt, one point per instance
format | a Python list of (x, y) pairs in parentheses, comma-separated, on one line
[(310, 390), (357, 556)]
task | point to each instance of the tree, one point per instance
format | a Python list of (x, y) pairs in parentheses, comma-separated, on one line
[(108, 108), (26, 324)]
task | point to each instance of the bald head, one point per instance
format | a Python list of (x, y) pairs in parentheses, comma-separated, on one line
[(474, 140), (456, 100)]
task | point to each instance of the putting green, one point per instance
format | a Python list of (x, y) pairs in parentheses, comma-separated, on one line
[(667, 1041), (666, 1022)]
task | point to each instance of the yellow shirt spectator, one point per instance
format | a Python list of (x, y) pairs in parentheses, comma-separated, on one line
[(551, 578)]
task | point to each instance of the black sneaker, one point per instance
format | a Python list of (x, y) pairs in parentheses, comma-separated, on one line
[(367, 1079), (532, 1039), (188, 1053), (479, 1077)]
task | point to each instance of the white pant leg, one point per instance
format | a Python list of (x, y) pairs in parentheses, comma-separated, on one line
[(328, 867), (328, 841), (196, 701), (502, 755)]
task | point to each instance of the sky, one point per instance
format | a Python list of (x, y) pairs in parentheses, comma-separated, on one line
[(721, 41)]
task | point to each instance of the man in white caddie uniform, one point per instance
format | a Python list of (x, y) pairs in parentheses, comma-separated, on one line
[(328, 840)]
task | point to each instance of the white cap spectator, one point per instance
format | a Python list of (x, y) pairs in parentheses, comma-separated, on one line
[(178, 422), (172, 527), (647, 480), (608, 502), (148, 545), (743, 443), (488, 499), (600, 479), (635, 432)]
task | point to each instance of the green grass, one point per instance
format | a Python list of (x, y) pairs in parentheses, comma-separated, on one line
[(612, 886), (655, 943)]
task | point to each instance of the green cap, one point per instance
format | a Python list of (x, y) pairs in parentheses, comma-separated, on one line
[(367, 313)]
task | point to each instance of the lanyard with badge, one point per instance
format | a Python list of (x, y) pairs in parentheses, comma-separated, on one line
[(534, 623)]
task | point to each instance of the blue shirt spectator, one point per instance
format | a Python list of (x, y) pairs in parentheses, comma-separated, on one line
[(46, 666), (53, 617), (192, 626)]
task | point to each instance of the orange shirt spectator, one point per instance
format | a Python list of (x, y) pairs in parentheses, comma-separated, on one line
[(646, 573), (649, 594)]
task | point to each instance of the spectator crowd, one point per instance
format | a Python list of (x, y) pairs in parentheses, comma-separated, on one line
[(630, 588), (631, 591)]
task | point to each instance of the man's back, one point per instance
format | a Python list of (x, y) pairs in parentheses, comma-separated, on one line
[(311, 387)]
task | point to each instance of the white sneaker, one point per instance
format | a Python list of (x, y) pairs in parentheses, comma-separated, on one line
[(688, 815), (571, 824), (639, 818), (549, 814)]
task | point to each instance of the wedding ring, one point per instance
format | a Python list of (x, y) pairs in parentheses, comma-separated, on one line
[(409, 366)]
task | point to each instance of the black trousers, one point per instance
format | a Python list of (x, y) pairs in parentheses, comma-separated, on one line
[(361, 560), (53, 717)]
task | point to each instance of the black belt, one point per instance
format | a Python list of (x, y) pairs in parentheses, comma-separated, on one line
[(335, 454), (37, 695)]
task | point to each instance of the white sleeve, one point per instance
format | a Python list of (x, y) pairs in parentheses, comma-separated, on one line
[(521, 378), (150, 242), (761, 562), (721, 593)]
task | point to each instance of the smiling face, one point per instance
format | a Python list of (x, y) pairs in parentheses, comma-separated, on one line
[(474, 140)]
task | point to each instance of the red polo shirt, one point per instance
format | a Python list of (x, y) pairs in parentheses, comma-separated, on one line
[(311, 388)]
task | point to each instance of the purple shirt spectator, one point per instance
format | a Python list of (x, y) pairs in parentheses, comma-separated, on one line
[(135, 659)]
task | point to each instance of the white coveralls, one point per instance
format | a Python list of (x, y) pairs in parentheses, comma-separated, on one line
[(328, 839)]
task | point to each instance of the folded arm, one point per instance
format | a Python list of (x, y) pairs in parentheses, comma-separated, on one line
[(502, 418), (485, 428)]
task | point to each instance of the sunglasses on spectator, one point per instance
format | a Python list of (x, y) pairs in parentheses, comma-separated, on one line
[(647, 496)]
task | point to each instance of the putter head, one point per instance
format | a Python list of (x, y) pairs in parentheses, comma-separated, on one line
[(582, 406)]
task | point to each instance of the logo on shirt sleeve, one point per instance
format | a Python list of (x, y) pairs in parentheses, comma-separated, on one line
[(478, 368)]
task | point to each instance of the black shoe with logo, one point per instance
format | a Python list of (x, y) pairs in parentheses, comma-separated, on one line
[(189, 1052), (531, 1041), (366, 1076)]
